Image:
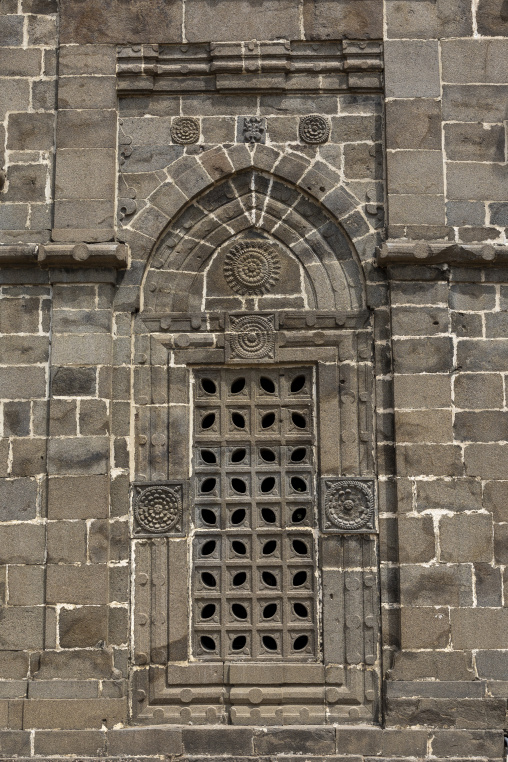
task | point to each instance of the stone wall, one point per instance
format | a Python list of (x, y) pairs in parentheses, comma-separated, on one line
[(177, 129)]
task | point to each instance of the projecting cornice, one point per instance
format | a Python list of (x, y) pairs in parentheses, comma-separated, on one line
[(441, 252)]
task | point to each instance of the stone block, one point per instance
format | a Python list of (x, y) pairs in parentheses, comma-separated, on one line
[(78, 665), (474, 142), (28, 457), (27, 182), (495, 498), (86, 173), (22, 628), (452, 665), (429, 460), (69, 382), (30, 132), (472, 296), (422, 391), (87, 59), (440, 585), (117, 22), (457, 495), (296, 741), (63, 418), (14, 95), (17, 419), (11, 31), (146, 741), (355, 20), (18, 499), (89, 742), (15, 742), (429, 355), (66, 542), (85, 584), (74, 715), (415, 172), (425, 627), (42, 31), (498, 214), (20, 315), (478, 391), (21, 63), (488, 461), (26, 585), (227, 741), (500, 544), (466, 538), (423, 426), (78, 455), (412, 69), (409, 321), (93, 417), (477, 355), (86, 349), (407, 209), (469, 60), (86, 92), (484, 426), (413, 123), (362, 161), (465, 213), (488, 582), (479, 628), (463, 743), (474, 103), (206, 22), (86, 128), (83, 627), (416, 539), (425, 18), (22, 544)]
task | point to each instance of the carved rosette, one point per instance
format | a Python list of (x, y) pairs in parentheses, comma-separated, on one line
[(252, 268), (314, 129), (252, 337), (348, 505), (185, 130), (158, 508)]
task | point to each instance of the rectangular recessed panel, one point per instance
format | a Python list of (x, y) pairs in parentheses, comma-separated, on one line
[(254, 582)]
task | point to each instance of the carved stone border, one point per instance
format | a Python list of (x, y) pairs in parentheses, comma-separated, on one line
[(159, 508), (348, 505)]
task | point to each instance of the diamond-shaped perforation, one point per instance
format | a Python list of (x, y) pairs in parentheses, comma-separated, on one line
[(253, 549)]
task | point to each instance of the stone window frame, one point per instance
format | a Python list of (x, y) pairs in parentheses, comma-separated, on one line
[(340, 689)]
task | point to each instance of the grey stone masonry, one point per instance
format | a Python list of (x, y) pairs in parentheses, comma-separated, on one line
[(253, 380)]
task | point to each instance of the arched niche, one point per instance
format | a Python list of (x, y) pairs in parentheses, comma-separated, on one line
[(250, 205)]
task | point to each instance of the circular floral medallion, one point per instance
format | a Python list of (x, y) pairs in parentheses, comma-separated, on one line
[(252, 267), (314, 129), (253, 338), (349, 504), (185, 130), (158, 508)]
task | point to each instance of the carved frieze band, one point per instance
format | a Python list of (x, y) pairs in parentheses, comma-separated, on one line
[(250, 66), (348, 505)]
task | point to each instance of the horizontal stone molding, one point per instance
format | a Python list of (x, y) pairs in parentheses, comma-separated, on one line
[(441, 252), (111, 255), (259, 66)]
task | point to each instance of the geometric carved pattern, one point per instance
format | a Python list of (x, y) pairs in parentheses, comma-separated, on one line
[(252, 337), (254, 585), (185, 130), (348, 505), (252, 267), (314, 129), (158, 508)]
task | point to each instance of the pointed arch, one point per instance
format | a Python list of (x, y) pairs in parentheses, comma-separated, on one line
[(219, 194)]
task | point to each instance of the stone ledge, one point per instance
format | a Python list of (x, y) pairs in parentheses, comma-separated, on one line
[(441, 252), (112, 255)]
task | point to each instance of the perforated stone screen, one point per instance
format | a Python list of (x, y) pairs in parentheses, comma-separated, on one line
[(254, 547)]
